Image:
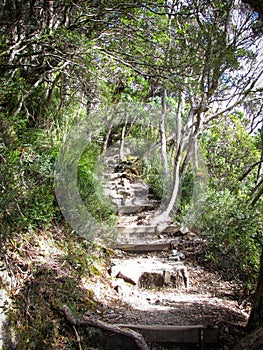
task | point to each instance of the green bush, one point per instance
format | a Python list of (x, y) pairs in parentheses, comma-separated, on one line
[(27, 198), (91, 190), (234, 234)]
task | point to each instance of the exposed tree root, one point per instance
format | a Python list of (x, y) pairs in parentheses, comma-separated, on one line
[(86, 321), (253, 341)]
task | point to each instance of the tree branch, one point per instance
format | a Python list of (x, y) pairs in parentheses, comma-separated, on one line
[(242, 177), (259, 193)]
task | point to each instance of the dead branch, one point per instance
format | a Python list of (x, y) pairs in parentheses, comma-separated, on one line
[(86, 321)]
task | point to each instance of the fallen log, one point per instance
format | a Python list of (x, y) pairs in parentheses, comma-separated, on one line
[(87, 321)]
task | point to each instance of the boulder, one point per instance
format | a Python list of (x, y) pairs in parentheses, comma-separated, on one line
[(152, 272)]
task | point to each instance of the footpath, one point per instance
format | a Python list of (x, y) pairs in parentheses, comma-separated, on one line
[(158, 287)]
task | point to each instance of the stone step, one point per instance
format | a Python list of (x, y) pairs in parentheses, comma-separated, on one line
[(112, 176), (151, 272), (197, 334), (129, 220), (139, 185), (134, 209), (145, 243), (148, 229), (141, 247)]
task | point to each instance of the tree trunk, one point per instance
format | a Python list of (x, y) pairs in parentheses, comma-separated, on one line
[(260, 167), (256, 315), (163, 136), (123, 132), (105, 144), (51, 90), (165, 214), (254, 340)]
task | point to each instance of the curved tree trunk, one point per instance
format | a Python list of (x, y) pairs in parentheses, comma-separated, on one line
[(256, 315), (254, 340)]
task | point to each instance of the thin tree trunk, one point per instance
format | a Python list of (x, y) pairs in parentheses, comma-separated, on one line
[(260, 168), (254, 340), (162, 134), (165, 214), (176, 184), (189, 138), (123, 132), (51, 90), (258, 190), (105, 144), (256, 316)]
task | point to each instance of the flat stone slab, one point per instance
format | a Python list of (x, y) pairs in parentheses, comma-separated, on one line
[(142, 229), (134, 209), (177, 334), (151, 272), (140, 247)]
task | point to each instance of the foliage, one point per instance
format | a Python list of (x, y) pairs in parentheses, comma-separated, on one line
[(234, 233), (91, 190), (26, 184), (229, 150), (232, 226)]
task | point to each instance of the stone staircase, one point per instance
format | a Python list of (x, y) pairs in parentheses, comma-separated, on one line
[(143, 264)]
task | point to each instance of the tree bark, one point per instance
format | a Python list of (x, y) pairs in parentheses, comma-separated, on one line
[(162, 134), (260, 167), (52, 89), (122, 141), (256, 316), (105, 144)]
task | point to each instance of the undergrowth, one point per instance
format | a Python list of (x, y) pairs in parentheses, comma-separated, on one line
[(47, 270)]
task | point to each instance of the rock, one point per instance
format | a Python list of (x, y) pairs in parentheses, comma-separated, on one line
[(123, 182), (176, 277), (5, 330), (150, 246), (190, 236), (121, 288), (112, 176), (124, 193), (152, 272), (175, 255), (133, 209), (184, 230)]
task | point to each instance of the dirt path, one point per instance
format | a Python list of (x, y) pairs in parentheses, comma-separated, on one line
[(155, 276)]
